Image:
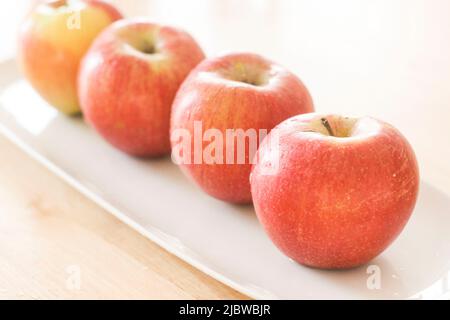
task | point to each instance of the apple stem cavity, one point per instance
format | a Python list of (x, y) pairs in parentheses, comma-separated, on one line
[(253, 75), (327, 126), (148, 48)]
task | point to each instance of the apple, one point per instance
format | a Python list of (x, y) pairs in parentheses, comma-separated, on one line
[(52, 40), (239, 92), (128, 81), (343, 190)]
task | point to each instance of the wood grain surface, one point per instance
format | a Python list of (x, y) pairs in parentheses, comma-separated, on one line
[(56, 244)]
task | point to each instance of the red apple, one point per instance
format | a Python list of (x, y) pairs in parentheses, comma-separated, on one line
[(128, 81), (53, 38), (242, 92), (343, 190)]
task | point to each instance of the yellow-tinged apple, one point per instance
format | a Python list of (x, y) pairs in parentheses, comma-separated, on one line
[(53, 38)]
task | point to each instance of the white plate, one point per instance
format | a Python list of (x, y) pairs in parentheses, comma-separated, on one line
[(222, 240)]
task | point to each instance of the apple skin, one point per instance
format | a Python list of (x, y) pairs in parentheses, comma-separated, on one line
[(127, 94), (335, 202), (49, 52), (217, 95)]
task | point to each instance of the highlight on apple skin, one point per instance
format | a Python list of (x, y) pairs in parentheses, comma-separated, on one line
[(240, 91), (128, 80), (52, 40), (343, 191)]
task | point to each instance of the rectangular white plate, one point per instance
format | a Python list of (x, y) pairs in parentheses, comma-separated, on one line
[(222, 240)]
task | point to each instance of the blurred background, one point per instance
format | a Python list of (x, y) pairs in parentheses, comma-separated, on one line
[(388, 59)]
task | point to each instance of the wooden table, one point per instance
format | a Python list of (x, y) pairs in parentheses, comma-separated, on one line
[(51, 235), (388, 59)]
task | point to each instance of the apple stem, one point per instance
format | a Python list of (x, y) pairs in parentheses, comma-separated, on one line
[(327, 126)]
